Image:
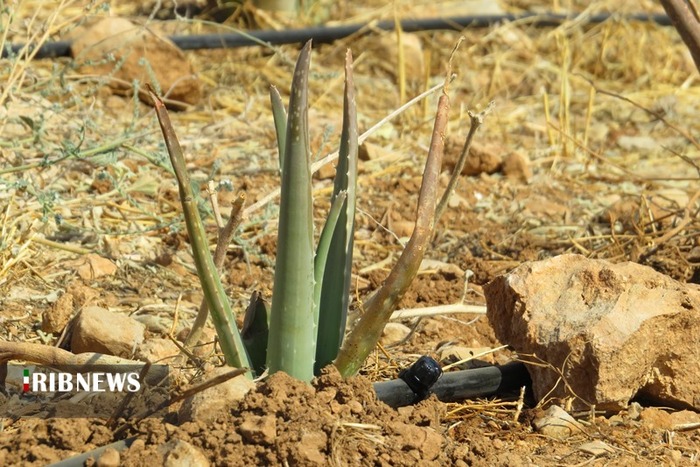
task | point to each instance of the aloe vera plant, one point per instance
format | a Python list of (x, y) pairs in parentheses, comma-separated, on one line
[(303, 329)]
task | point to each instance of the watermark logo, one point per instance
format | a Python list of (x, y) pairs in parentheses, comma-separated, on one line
[(93, 390), (38, 382)]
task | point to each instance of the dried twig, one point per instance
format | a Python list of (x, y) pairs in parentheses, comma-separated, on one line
[(222, 243), (476, 121), (53, 357), (685, 18)]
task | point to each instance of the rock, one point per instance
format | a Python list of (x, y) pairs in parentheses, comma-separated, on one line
[(258, 429), (596, 448), (124, 52), (54, 319), (516, 166), (82, 294), (326, 172), (422, 439), (387, 47), (157, 350), (450, 354), (92, 266), (102, 331), (179, 453), (634, 411), (557, 423), (613, 331), (109, 458), (205, 406), (659, 419), (311, 446), (482, 158), (394, 333)]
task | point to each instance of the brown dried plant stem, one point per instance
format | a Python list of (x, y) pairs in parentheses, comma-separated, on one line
[(686, 19), (476, 121), (378, 309), (53, 356), (225, 236), (229, 337)]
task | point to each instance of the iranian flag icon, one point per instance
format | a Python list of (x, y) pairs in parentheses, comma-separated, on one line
[(25, 381)]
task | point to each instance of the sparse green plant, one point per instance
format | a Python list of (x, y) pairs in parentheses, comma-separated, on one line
[(303, 329)]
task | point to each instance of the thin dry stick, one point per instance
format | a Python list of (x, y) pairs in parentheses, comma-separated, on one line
[(476, 121), (438, 310), (225, 236), (688, 217), (214, 200)]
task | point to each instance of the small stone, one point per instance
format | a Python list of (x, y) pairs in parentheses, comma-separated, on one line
[(482, 158), (423, 439), (355, 407), (656, 419), (597, 448), (82, 294), (516, 166), (634, 410), (100, 330), (207, 405), (311, 446), (259, 429), (179, 453), (394, 333), (109, 458), (557, 423), (93, 266), (55, 318), (157, 350), (387, 47), (326, 172)]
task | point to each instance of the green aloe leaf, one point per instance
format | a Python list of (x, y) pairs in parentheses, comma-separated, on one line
[(279, 114), (214, 293), (324, 244), (335, 289), (255, 331), (292, 340)]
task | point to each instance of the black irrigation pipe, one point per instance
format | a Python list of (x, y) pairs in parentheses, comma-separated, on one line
[(460, 385), (327, 34)]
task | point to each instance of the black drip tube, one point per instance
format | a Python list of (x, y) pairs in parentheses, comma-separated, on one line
[(327, 34), (460, 385)]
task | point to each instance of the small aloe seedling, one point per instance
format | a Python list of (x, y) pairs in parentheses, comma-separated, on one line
[(303, 329)]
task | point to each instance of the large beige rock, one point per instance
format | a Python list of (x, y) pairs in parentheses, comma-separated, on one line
[(613, 330), (100, 330), (124, 52)]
